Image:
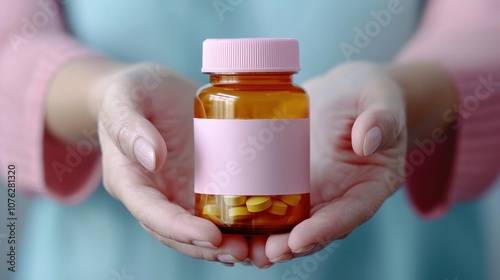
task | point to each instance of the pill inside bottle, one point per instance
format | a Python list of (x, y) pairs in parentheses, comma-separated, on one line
[(251, 131)]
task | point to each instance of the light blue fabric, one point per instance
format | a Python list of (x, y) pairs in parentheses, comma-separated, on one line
[(172, 32), (100, 240)]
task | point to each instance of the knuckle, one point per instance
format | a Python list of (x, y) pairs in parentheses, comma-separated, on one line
[(392, 126), (122, 133), (177, 226), (365, 208)]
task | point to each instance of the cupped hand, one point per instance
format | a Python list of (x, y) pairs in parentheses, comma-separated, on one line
[(358, 145), (145, 132), (357, 149)]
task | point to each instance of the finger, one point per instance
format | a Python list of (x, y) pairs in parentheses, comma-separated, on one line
[(277, 249), (257, 251), (381, 119), (232, 249), (166, 219), (338, 218), (135, 136)]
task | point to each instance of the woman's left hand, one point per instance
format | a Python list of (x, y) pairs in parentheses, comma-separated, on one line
[(358, 145)]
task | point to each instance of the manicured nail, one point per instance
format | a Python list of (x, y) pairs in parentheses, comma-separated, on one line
[(373, 138), (226, 258), (282, 258), (204, 244), (305, 249), (145, 153)]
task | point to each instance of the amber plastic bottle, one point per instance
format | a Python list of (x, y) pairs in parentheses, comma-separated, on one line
[(251, 137)]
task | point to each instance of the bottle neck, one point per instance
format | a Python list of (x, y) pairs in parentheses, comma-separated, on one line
[(267, 78)]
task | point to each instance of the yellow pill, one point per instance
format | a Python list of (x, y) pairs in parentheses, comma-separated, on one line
[(210, 199), (267, 219), (234, 200), (239, 212), (258, 203), (278, 207), (211, 210), (292, 200), (214, 219)]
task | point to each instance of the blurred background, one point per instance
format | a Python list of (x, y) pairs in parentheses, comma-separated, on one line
[(100, 238)]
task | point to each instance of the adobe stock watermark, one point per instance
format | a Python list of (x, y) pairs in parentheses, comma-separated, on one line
[(223, 6), (309, 264), (31, 25), (363, 35), (456, 115), (249, 149), (75, 154)]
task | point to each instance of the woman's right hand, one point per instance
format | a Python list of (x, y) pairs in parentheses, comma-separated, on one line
[(146, 136), (144, 115)]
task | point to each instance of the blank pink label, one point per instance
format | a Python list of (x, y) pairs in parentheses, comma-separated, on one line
[(251, 157)]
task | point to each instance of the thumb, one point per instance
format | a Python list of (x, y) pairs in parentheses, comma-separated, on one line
[(135, 136), (380, 122)]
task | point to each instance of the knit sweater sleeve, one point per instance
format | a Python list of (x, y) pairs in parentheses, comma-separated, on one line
[(464, 37), (34, 45)]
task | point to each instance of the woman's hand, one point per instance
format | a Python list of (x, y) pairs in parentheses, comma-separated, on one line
[(364, 117), (144, 115), (146, 137), (358, 145), (145, 130)]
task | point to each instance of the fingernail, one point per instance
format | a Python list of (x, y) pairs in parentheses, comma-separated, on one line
[(305, 249), (145, 153), (228, 264), (226, 258), (373, 138), (282, 258), (204, 244)]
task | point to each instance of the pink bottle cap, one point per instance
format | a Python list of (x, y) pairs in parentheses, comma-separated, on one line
[(250, 55)]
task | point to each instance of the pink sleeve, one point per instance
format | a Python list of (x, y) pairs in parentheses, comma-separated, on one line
[(33, 47), (464, 36)]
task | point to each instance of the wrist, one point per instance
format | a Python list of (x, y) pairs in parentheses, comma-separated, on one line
[(73, 103)]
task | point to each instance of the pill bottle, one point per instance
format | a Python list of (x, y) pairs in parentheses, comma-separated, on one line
[(251, 131)]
